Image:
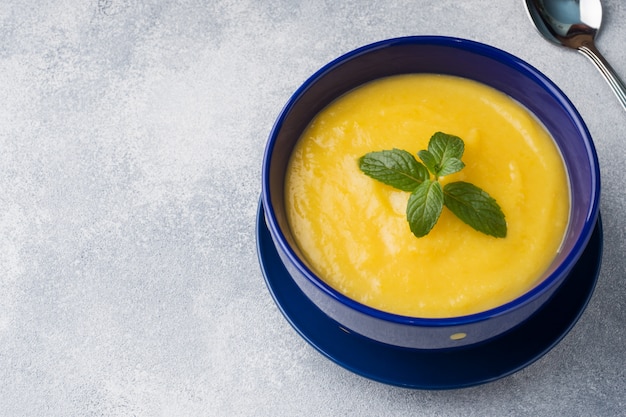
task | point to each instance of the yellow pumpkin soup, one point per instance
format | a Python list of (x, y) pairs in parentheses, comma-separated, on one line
[(353, 230)]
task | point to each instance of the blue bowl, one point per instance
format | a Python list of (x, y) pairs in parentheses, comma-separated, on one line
[(441, 55)]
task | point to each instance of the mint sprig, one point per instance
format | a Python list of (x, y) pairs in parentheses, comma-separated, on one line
[(400, 169)]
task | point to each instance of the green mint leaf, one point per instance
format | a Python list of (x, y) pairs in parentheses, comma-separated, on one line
[(446, 151), (440, 168), (429, 160), (444, 146), (475, 207), (450, 166), (395, 167), (424, 207)]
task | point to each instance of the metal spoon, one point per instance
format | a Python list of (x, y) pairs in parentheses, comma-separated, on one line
[(574, 24)]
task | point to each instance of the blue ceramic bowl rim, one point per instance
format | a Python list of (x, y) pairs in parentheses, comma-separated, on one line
[(479, 49)]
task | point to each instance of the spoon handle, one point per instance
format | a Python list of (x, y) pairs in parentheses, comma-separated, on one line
[(590, 51)]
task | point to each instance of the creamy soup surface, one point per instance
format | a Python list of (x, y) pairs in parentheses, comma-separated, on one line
[(353, 231)]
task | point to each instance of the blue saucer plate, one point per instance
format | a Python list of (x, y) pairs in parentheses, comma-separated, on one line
[(433, 369)]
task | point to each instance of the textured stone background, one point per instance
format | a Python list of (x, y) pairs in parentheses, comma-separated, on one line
[(131, 139)]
